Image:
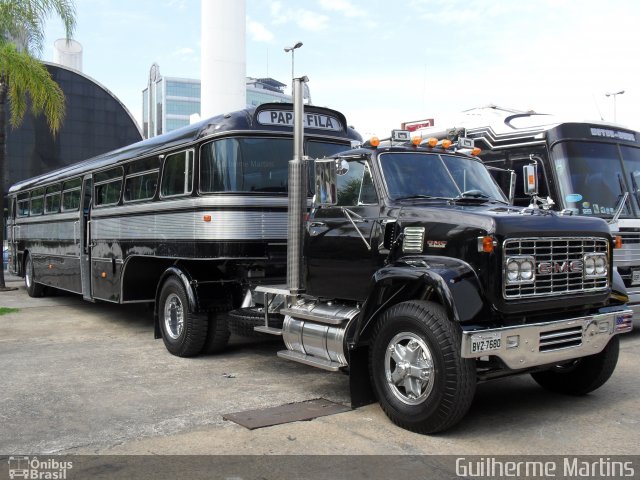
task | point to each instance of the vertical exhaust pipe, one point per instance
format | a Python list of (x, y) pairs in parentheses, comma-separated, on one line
[(297, 194)]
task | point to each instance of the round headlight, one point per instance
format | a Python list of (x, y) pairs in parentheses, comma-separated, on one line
[(513, 269), (600, 265), (589, 265), (526, 270)]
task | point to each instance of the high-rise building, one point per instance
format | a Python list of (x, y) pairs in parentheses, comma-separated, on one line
[(169, 103)]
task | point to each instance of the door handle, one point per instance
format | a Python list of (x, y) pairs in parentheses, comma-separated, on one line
[(317, 224)]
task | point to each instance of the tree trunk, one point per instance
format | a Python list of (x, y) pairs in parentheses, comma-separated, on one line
[(3, 151)]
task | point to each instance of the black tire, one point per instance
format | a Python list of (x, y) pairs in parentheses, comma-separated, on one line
[(441, 402), (584, 375), (217, 334), (183, 332), (34, 289), (243, 320)]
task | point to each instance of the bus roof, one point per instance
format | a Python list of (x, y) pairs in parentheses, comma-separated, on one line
[(268, 117)]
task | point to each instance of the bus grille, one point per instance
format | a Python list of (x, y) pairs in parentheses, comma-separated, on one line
[(558, 252)]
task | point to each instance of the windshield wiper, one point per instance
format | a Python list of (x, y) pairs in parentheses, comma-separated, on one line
[(428, 197), (477, 195)]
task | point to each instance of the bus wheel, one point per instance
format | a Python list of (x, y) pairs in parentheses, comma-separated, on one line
[(33, 289), (217, 334), (421, 381), (183, 332), (583, 375)]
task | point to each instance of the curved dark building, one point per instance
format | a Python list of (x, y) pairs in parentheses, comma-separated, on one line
[(95, 122)]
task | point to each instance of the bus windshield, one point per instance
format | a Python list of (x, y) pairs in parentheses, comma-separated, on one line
[(409, 174), (591, 177), (254, 164)]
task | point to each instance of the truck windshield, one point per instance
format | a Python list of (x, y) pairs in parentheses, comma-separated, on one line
[(253, 164), (416, 174), (591, 177)]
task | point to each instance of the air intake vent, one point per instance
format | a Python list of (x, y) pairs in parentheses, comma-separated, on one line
[(413, 241), (557, 339)]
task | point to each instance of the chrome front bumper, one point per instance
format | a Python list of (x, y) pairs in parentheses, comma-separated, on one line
[(526, 346), (634, 302)]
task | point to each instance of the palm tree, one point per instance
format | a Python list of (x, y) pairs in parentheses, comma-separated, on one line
[(23, 79)]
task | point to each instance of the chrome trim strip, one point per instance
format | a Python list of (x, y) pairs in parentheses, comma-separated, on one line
[(528, 354)]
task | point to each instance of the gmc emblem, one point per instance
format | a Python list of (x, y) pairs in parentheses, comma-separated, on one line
[(547, 268)]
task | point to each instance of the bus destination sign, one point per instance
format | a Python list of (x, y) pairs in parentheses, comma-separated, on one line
[(284, 118)]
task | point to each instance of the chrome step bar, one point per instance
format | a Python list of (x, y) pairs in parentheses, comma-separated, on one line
[(311, 360)]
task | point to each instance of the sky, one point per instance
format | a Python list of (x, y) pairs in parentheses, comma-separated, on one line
[(383, 62)]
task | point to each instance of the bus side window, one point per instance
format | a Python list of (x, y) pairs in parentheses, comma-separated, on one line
[(52, 199), (37, 202), (141, 180), (23, 205), (71, 195), (107, 186), (177, 174)]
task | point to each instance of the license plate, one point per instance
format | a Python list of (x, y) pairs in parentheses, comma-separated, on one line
[(635, 277), (485, 342)]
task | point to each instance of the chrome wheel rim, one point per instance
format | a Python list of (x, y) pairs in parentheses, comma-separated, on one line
[(28, 273), (173, 316), (408, 366)]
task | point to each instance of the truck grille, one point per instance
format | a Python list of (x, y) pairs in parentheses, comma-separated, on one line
[(558, 252)]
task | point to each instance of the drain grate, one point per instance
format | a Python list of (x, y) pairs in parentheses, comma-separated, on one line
[(291, 412)]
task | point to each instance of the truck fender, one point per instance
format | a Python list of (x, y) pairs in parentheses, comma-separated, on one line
[(185, 278), (448, 281), (618, 290)]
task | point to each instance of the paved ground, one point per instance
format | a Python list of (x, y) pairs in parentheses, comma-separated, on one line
[(89, 378)]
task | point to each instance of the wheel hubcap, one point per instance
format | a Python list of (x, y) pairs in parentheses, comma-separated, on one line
[(173, 316), (408, 368)]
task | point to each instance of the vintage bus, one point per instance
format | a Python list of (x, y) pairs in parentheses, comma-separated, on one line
[(187, 220)]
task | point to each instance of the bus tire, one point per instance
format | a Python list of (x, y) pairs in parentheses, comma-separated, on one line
[(217, 334), (583, 375), (183, 332), (420, 379), (34, 289)]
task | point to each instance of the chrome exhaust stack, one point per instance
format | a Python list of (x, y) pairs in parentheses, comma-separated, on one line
[(297, 194)]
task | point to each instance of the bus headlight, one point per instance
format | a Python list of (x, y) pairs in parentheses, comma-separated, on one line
[(520, 269)]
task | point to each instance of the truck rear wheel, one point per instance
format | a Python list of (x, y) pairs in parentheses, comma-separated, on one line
[(217, 333), (584, 375), (421, 381), (183, 332), (33, 289)]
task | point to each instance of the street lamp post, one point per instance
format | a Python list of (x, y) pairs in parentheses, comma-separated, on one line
[(614, 95), (292, 50)]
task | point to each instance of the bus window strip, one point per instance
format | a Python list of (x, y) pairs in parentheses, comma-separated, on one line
[(189, 158)]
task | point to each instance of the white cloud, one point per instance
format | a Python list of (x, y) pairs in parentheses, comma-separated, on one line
[(258, 31), (343, 6), (303, 18)]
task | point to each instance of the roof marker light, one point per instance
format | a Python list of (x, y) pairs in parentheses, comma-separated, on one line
[(475, 151), (374, 142), (432, 142), (416, 141), (446, 143)]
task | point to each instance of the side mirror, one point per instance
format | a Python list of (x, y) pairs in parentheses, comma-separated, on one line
[(326, 179), (530, 179)]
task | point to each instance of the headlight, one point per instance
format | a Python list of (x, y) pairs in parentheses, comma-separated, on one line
[(520, 269), (596, 265)]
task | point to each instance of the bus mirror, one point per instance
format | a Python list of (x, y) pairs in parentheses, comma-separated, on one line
[(530, 179), (512, 186), (326, 178)]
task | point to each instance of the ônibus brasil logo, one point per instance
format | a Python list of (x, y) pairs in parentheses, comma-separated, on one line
[(32, 468)]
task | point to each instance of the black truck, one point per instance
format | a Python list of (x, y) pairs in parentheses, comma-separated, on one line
[(414, 274)]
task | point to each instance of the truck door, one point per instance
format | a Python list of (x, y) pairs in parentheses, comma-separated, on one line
[(85, 237), (341, 249)]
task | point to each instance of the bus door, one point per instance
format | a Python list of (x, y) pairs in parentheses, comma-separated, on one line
[(85, 237), (12, 232)]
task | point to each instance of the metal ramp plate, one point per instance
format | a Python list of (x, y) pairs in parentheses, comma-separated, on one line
[(291, 412)]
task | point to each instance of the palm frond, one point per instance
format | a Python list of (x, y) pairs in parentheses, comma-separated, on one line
[(27, 77)]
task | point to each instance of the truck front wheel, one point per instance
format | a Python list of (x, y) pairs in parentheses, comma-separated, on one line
[(583, 375), (421, 381), (183, 332)]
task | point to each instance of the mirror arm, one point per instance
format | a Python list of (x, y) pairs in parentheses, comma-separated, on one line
[(348, 213)]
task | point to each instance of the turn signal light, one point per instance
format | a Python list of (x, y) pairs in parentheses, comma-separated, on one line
[(207, 218), (617, 241), (486, 244)]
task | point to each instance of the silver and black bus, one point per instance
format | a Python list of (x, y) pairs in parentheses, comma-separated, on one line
[(189, 220)]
